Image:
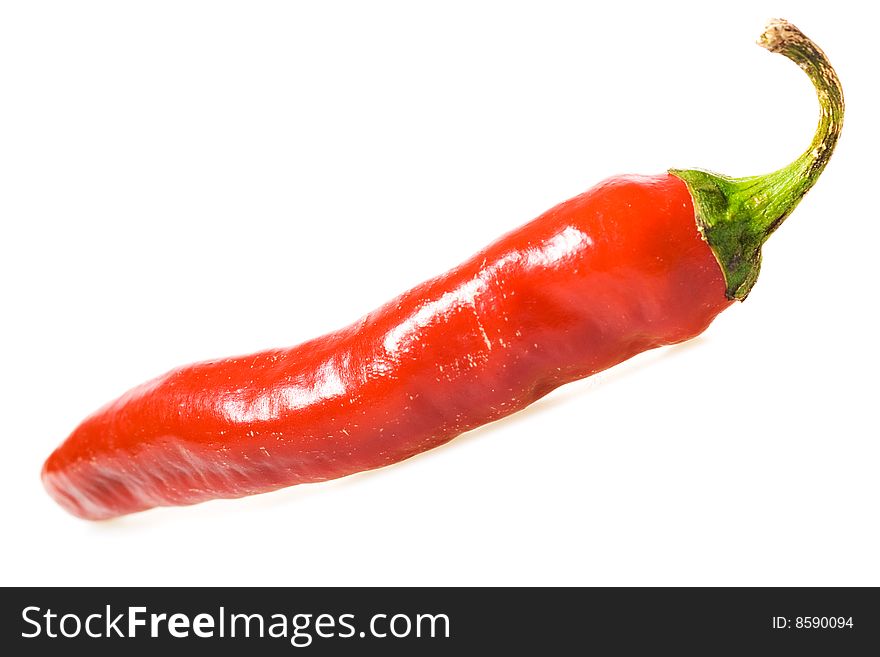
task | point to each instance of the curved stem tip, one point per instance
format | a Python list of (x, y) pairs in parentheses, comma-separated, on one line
[(737, 215)]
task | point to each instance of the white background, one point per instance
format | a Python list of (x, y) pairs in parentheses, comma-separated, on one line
[(187, 180)]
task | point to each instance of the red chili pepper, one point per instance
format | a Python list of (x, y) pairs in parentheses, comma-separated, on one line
[(635, 263)]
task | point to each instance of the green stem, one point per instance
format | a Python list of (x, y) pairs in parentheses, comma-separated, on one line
[(737, 215)]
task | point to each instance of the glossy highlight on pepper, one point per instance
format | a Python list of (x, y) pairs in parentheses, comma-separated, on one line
[(624, 267)]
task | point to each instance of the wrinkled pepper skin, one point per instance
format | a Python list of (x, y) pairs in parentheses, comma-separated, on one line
[(615, 271)]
